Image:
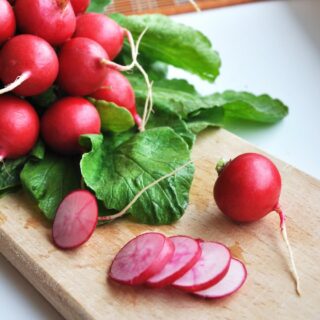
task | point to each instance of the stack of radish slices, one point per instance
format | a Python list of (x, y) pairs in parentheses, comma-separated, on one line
[(203, 268)]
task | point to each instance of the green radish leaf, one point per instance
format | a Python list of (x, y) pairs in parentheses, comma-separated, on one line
[(39, 150), (245, 105), (49, 180), (10, 174), (113, 117), (173, 43), (204, 118), (167, 118), (120, 166), (98, 5), (45, 99)]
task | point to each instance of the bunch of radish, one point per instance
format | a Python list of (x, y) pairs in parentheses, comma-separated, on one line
[(29, 65), (203, 268)]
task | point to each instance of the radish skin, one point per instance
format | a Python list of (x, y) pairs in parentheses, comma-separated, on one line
[(116, 88), (247, 189), (110, 35), (75, 220), (7, 21), (19, 127), (81, 69), (79, 6), (66, 120), (230, 283), (52, 20), (186, 254), (29, 65), (141, 258), (209, 270)]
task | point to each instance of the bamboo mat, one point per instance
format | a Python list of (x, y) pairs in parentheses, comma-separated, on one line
[(167, 6)]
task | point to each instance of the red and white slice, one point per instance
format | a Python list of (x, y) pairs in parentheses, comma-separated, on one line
[(141, 258), (75, 220), (209, 270), (232, 281), (186, 254)]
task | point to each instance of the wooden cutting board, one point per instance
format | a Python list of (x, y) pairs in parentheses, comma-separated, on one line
[(75, 282)]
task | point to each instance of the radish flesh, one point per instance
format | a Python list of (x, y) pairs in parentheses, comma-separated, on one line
[(209, 270), (230, 283), (80, 6), (52, 20), (7, 21), (66, 120), (29, 65), (141, 258), (75, 220), (186, 254), (19, 127), (116, 88), (110, 35), (81, 72)]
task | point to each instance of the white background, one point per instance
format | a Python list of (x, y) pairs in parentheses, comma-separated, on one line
[(267, 47)]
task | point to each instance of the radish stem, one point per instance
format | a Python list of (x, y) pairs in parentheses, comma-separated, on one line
[(286, 240), (139, 194), (16, 83)]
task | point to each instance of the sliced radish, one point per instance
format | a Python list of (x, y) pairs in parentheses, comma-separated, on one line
[(209, 270), (75, 220), (186, 254), (141, 258), (232, 281)]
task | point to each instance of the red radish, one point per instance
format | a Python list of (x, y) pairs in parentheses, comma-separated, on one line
[(79, 6), (7, 21), (75, 220), (117, 89), (66, 120), (141, 258), (29, 65), (231, 282), (209, 270), (19, 127), (247, 189), (81, 66), (52, 20), (186, 254), (110, 35)]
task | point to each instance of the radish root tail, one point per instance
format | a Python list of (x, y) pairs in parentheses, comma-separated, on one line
[(134, 55), (195, 5), (16, 83), (286, 240), (139, 194)]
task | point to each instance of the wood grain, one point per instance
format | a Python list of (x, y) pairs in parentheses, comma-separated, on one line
[(76, 283), (168, 7)]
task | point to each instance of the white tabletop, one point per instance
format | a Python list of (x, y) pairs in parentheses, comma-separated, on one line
[(267, 47)]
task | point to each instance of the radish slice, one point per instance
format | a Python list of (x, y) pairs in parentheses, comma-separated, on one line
[(232, 281), (209, 270), (186, 254), (141, 258), (75, 220)]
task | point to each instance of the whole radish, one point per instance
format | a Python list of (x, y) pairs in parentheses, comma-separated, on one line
[(7, 21), (52, 20), (117, 89), (80, 6), (29, 65), (82, 69), (110, 35), (66, 120), (248, 188), (19, 127)]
